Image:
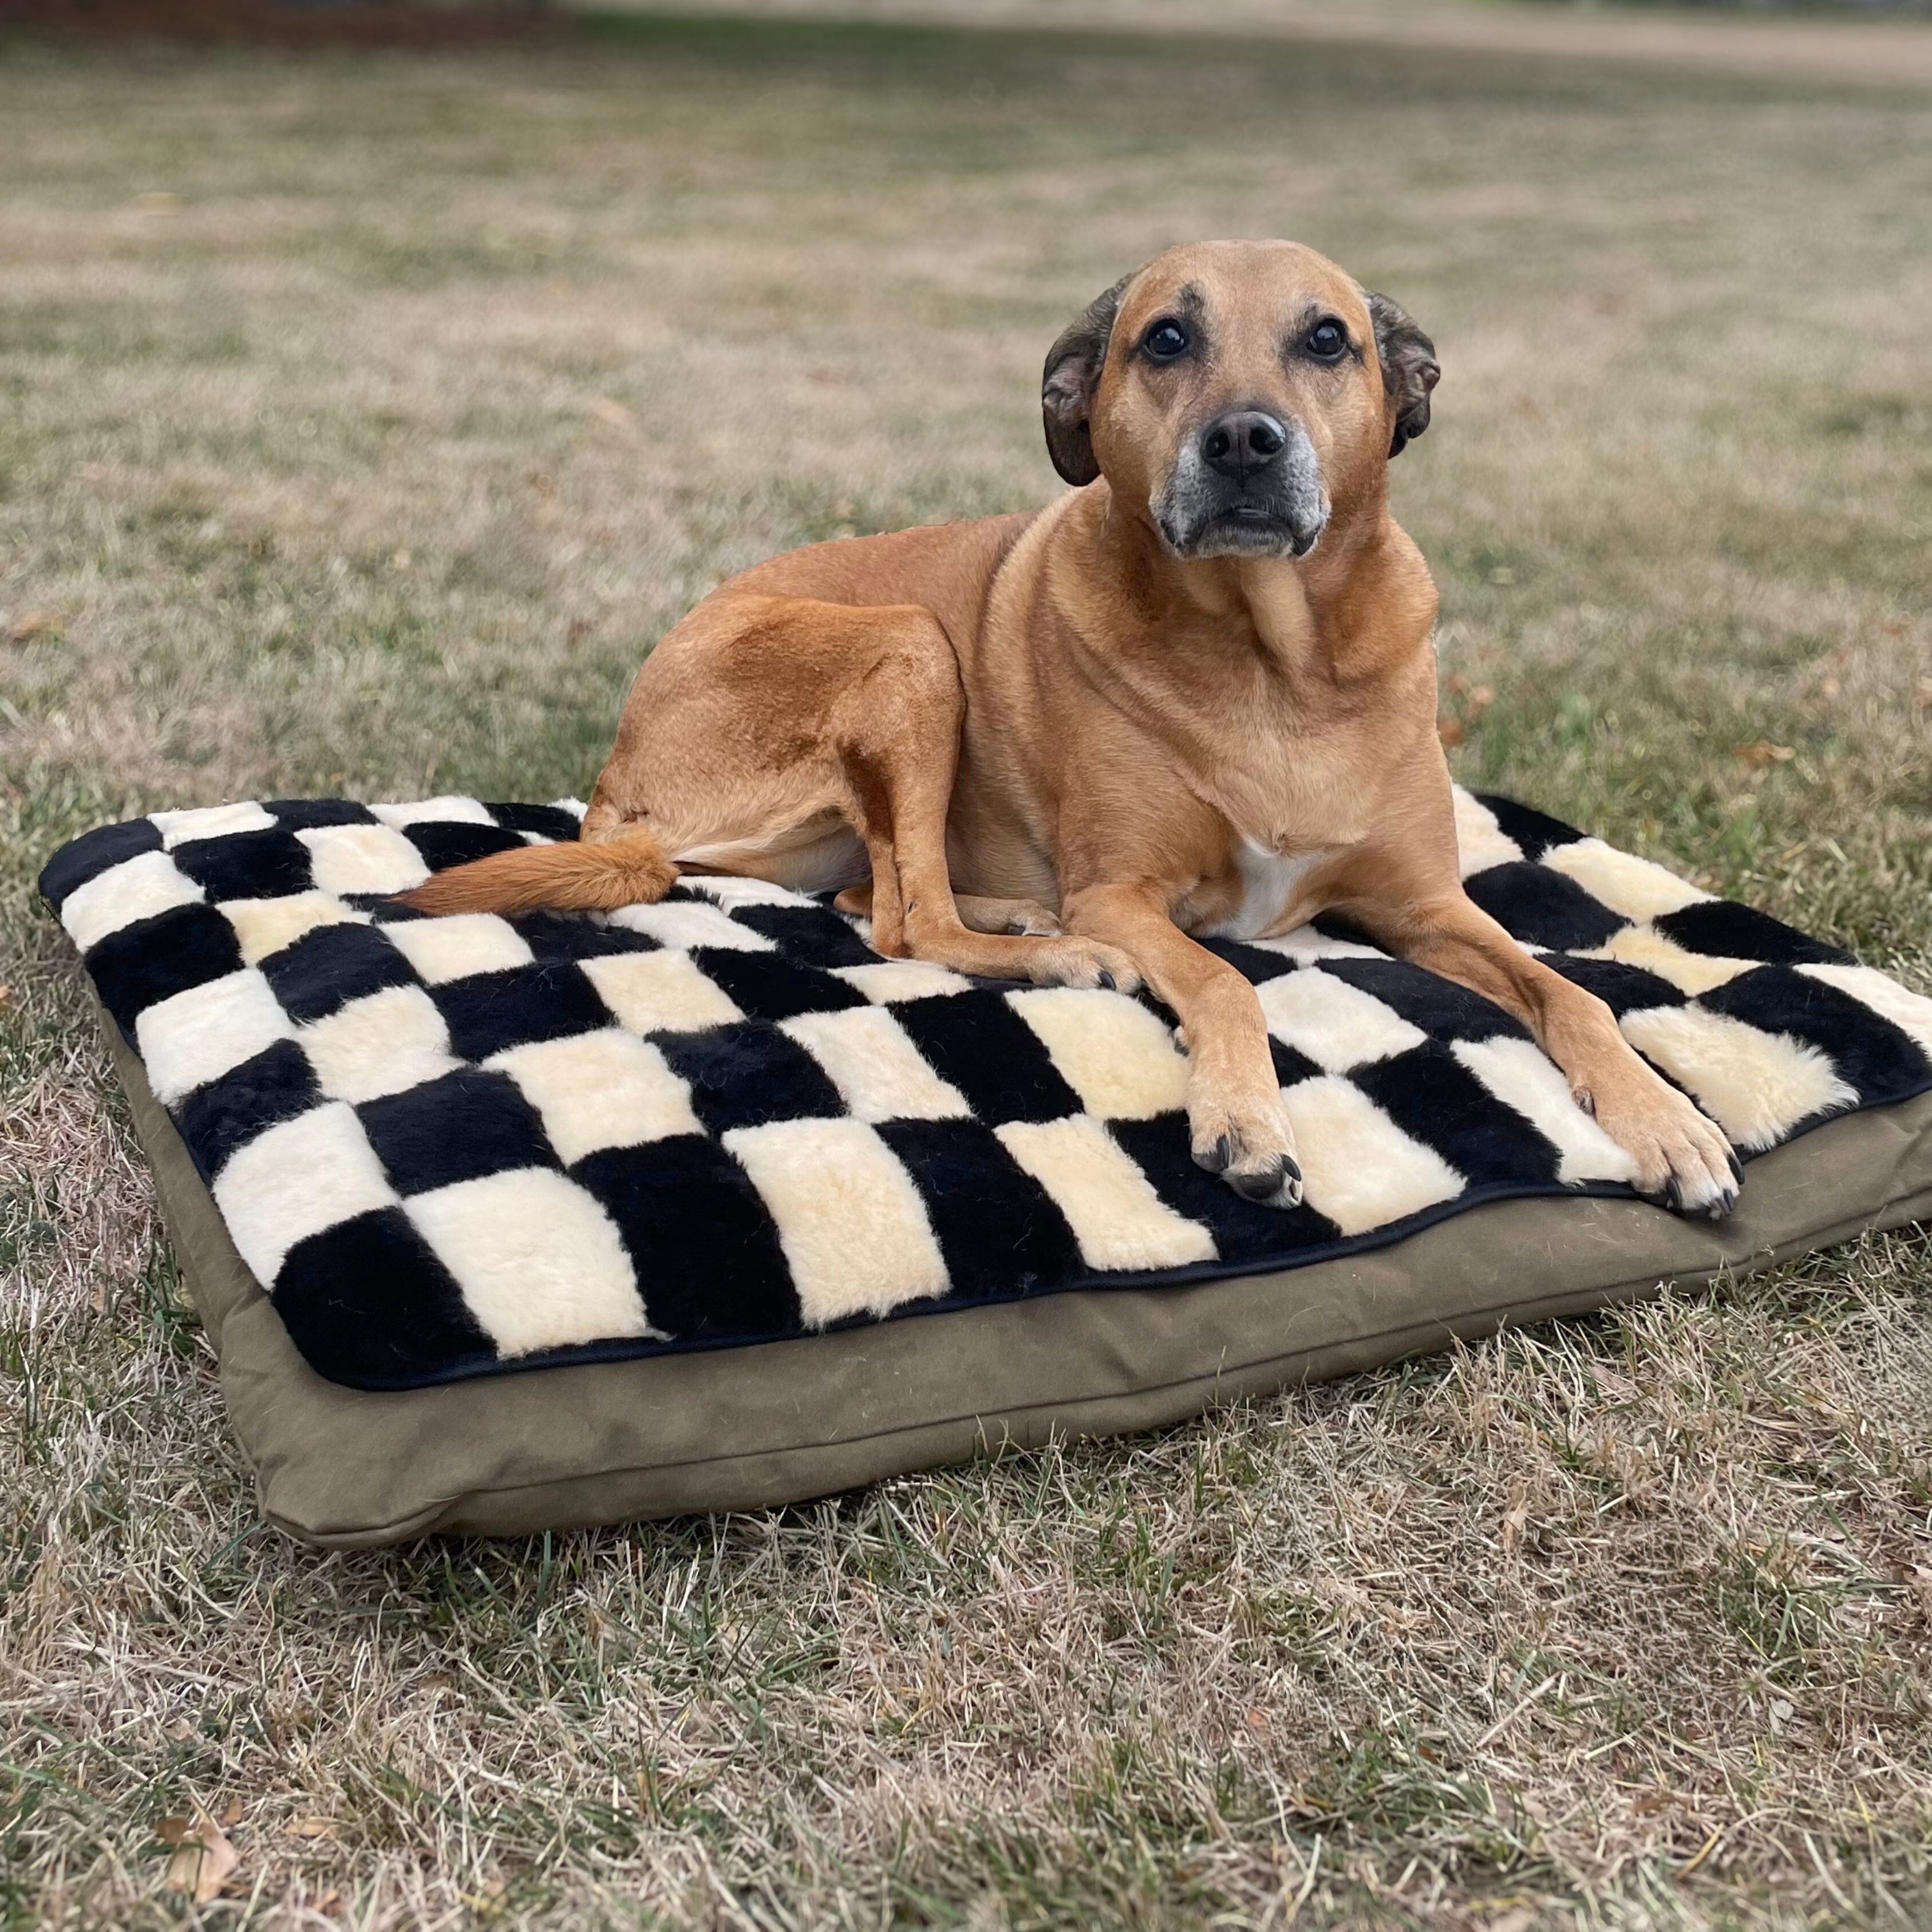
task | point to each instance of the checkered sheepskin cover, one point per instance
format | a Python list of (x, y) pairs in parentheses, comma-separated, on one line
[(451, 1146)]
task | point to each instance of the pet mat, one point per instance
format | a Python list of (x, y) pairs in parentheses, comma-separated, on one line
[(447, 1147)]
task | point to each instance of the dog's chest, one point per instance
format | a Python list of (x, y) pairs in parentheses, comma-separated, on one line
[(1269, 882)]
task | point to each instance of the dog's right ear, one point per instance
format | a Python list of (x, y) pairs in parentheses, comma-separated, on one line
[(1066, 386)]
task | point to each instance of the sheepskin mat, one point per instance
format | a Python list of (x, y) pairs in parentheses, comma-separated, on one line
[(451, 1147)]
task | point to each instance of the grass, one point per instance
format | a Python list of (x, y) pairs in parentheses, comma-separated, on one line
[(362, 422)]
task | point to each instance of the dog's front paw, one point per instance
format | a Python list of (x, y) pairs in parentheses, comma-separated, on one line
[(1250, 1145), (1682, 1158), (1067, 961)]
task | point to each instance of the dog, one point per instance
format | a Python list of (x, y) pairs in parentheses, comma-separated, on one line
[(1195, 696)]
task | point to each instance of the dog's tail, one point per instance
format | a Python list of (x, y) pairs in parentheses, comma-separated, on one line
[(631, 868)]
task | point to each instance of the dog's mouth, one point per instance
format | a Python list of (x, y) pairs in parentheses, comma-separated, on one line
[(1242, 528), (1264, 526)]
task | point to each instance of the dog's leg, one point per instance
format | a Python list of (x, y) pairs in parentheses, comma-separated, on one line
[(1682, 1157), (896, 731), (978, 915), (1236, 1124)]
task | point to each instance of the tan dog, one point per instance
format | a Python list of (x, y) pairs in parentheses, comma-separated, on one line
[(1195, 695)]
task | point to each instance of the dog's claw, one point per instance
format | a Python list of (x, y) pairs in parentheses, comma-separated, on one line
[(1106, 980), (1215, 1160), (1279, 1182), (1737, 1165)]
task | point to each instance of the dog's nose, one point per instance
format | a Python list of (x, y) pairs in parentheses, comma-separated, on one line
[(1242, 442)]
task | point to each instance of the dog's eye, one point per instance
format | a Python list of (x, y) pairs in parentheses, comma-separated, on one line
[(1327, 340), (1166, 339)]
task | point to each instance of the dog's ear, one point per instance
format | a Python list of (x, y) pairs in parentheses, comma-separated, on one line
[(1067, 384), (1409, 368)]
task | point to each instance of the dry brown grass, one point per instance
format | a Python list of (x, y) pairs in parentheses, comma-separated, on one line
[(371, 449)]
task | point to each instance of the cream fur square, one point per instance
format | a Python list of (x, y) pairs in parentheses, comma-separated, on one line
[(296, 1179), (659, 992), (194, 1036), (600, 1090), (854, 1231), (382, 1044), (540, 1263), (138, 888), (346, 859), (459, 946), (1116, 1217)]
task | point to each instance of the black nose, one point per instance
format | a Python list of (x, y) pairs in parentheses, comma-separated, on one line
[(1242, 442)]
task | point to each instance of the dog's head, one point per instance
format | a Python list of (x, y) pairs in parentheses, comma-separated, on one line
[(1241, 390)]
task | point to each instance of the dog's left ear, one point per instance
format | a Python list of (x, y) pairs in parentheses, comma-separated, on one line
[(1066, 386), (1409, 368)]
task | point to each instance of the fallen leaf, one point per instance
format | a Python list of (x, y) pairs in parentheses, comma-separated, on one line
[(1514, 1523), (32, 624), (158, 201), (608, 410), (1763, 753), (202, 1865), (1481, 698), (1457, 682), (1520, 1920), (6, 997), (310, 1828), (1450, 730), (1925, 691)]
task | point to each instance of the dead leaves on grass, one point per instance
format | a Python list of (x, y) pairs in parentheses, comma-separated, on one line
[(205, 1858), (30, 624)]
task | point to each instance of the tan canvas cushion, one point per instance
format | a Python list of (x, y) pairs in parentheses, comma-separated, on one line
[(747, 1427)]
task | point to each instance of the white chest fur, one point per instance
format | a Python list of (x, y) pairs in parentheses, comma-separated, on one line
[(1270, 883)]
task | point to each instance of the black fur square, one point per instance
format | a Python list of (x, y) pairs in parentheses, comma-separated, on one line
[(769, 986), (367, 1303), (155, 958), (444, 842), (326, 968), (702, 1241), (459, 1127), (548, 821), (1868, 1052), (308, 814), (1534, 831), (814, 935), (1438, 1006), (976, 1041), (1436, 1100), (247, 864), (93, 853), (747, 1073), (215, 1120), (998, 1227), (489, 1012), (1541, 907), (1727, 931), (576, 935), (1244, 1231)]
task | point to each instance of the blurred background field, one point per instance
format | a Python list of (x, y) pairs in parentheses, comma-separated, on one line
[(365, 414)]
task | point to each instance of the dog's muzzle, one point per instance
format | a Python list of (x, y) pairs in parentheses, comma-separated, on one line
[(1246, 485)]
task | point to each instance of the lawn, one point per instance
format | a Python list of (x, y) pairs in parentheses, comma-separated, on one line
[(364, 420)]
